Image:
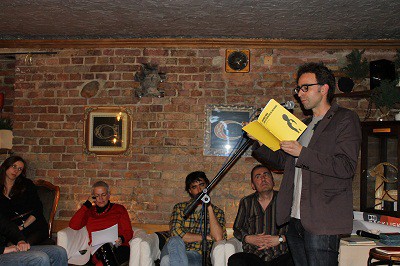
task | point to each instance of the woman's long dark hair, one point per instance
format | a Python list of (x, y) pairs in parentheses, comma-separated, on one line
[(18, 187)]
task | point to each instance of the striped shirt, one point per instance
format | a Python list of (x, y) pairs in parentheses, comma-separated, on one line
[(251, 220), (179, 226)]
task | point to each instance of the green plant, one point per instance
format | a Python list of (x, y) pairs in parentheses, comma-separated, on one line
[(6, 123), (386, 95), (357, 67)]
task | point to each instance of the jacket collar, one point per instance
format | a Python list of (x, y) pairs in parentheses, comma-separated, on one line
[(324, 122)]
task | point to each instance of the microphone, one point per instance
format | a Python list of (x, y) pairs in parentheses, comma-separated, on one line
[(366, 234), (288, 105)]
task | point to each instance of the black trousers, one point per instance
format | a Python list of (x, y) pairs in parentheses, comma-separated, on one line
[(249, 259)]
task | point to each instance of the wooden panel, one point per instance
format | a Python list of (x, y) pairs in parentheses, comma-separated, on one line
[(204, 43)]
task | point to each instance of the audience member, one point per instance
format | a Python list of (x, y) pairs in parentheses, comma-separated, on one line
[(20, 202), (184, 246), (22, 253), (103, 215), (255, 225)]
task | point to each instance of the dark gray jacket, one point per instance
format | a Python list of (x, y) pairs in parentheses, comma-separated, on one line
[(328, 167)]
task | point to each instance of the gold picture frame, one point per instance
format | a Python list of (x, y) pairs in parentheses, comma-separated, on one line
[(107, 131)]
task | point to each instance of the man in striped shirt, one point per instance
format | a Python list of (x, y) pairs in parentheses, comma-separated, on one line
[(255, 226)]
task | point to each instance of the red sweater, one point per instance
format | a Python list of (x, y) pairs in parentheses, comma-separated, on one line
[(117, 214)]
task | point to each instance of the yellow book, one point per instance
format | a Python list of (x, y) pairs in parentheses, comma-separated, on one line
[(275, 124)]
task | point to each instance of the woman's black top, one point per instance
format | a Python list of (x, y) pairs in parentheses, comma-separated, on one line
[(25, 204)]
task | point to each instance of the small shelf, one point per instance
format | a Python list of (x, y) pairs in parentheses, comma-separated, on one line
[(354, 94), (6, 151)]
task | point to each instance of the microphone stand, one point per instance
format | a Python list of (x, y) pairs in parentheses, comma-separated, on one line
[(205, 198)]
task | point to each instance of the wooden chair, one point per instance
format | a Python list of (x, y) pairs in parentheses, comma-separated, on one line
[(49, 195), (382, 259), (382, 194)]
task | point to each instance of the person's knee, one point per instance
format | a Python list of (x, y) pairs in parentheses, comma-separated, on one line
[(40, 258), (175, 242), (164, 261)]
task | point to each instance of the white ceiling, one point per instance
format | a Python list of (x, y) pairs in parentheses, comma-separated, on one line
[(265, 19)]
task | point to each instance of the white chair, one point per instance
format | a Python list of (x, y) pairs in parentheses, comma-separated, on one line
[(144, 248), (145, 251), (76, 243), (223, 249)]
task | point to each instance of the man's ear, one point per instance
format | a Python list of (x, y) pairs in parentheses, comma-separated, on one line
[(325, 89), (252, 186)]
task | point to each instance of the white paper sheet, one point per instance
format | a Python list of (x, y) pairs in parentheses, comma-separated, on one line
[(103, 236)]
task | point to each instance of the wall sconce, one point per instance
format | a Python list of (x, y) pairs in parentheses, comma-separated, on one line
[(28, 59)]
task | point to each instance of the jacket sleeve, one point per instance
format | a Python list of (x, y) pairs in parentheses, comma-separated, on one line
[(80, 218), (273, 160), (125, 226)]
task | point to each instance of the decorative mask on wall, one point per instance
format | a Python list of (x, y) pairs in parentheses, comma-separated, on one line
[(149, 79)]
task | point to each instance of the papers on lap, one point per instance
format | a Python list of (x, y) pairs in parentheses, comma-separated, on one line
[(103, 236), (357, 241), (388, 250), (275, 124)]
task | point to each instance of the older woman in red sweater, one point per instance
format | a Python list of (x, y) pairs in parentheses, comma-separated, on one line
[(102, 215)]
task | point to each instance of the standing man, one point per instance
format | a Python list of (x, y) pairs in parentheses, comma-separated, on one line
[(184, 246), (255, 225), (316, 192)]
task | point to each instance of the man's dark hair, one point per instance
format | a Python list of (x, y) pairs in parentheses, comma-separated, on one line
[(323, 75), (257, 167), (193, 177)]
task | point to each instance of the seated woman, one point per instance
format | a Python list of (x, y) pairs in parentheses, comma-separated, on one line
[(32, 255), (20, 202), (102, 215)]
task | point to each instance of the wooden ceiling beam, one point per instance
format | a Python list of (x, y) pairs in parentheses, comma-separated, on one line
[(201, 43)]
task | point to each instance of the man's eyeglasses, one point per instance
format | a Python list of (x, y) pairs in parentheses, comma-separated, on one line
[(14, 166), (304, 87), (100, 196)]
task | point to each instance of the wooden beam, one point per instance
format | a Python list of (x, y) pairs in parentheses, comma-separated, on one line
[(202, 43)]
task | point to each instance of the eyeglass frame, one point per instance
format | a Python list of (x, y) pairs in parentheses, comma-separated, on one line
[(103, 195), (300, 88)]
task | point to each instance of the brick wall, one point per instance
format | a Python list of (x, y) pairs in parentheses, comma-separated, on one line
[(168, 132)]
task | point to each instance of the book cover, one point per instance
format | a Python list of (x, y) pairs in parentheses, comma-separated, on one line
[(377, 218), (357, 241), (275, 124)]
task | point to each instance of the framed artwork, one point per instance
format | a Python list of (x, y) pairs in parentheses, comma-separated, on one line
[(224, 128), (107, 131)]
